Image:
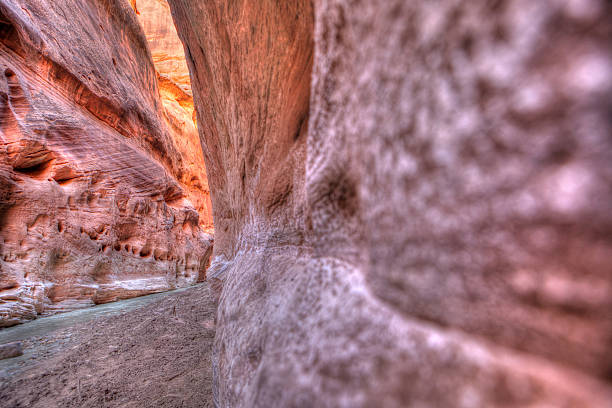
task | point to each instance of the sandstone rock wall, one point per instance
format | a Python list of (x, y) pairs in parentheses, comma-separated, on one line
[(95, 181), (252, 88), (440, 235)]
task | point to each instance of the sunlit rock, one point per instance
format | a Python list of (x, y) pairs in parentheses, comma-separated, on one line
[(175, 92)]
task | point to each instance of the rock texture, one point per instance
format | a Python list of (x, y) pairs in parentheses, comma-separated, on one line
[(432, 226), (95, 176)]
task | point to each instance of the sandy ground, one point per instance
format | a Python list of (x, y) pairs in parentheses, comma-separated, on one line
[(153, 351)]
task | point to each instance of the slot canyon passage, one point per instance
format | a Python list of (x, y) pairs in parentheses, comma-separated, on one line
[(412, 202)]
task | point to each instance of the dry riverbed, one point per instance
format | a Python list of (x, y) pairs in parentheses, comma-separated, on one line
[(153, 351)]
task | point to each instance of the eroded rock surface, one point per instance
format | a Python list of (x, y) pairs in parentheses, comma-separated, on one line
[(97, 184), (440, 235)]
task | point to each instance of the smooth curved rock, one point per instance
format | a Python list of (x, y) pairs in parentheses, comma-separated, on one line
[(97, 184), (441, 233)]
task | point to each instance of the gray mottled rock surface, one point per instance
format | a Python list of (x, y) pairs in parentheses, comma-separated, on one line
[(10, 350), (441, 235)]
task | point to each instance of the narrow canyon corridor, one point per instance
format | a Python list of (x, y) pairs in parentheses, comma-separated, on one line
[(329, 203)]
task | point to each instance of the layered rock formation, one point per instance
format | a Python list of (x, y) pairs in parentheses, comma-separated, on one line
[(432, 227), (95, 176)]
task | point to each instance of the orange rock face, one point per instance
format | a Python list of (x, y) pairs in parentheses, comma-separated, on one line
[(166, 47), (101, 196)]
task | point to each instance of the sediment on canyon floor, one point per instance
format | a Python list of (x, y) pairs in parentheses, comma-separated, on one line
[(103, 185)]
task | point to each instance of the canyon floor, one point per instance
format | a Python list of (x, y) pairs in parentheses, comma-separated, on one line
[(152, 351)]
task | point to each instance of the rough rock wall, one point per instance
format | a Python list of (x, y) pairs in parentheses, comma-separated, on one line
[(446, 237), (92, 208)]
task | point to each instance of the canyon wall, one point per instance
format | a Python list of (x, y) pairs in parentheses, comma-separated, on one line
[(423, 221), (101, 195)]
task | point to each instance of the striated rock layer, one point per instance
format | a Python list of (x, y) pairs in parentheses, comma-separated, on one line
[(95, 178), (433, 225)]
